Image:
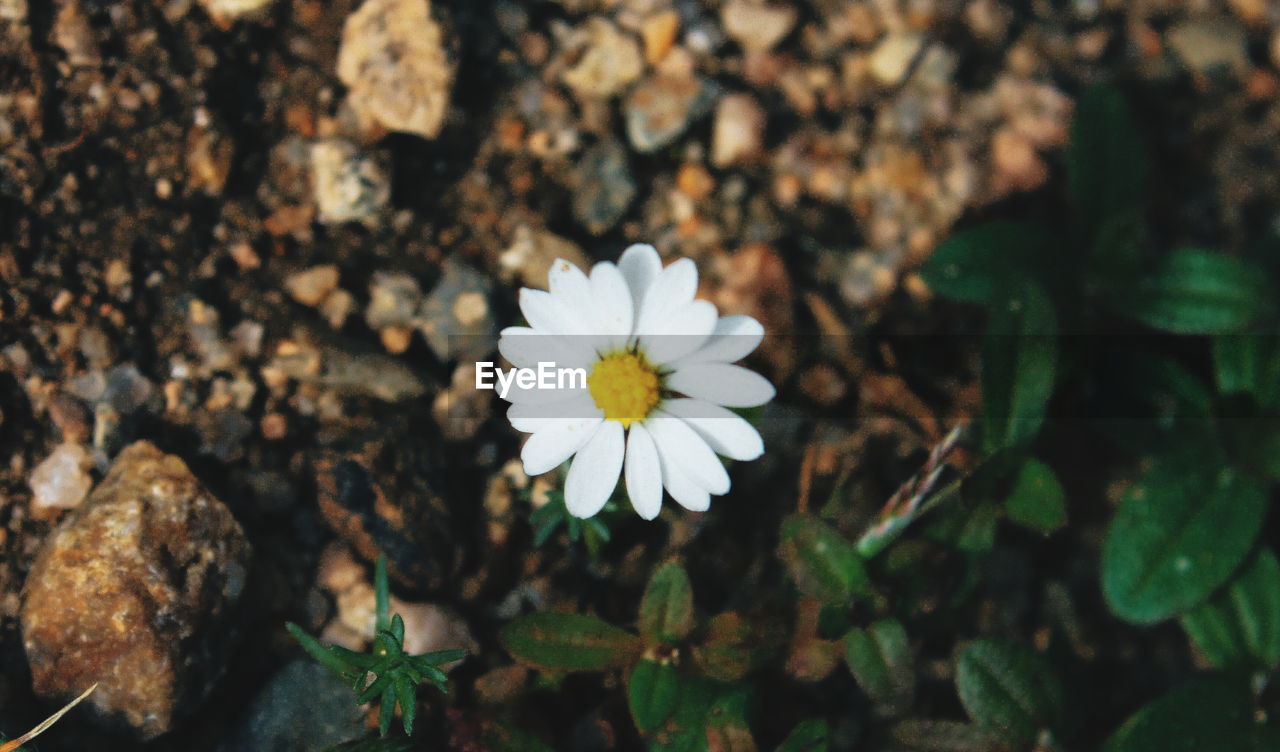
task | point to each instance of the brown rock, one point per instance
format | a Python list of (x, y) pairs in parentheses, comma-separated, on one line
[(133, 591), (611, 60), (739, 130), (312, 286), (755, 26), (394, 62), (659, 33)]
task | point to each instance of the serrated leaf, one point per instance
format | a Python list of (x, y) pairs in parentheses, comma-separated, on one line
[(982, 264), (653, 689), (1240, 626), (1036, 500), (821, 562), (1178, 534), (568, 642), (807, 736), (666, 610), (1205, 714), (1019, 363), (880, 659), (1199, 292), (1106, 162), (1008, 690)]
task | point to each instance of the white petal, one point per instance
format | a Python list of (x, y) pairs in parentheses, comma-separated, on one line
[(640, 266), (526, 348), (733, 339), (722, 384), (594, 472), (532, 417), (687, 494), (614, 309), (675, 439), (643, 473), (683, 331), (570, 286), (547, 315), (546, 449), (673, 288), (727, 433)]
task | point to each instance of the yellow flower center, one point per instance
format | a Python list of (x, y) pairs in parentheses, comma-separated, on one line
[(624, 386)]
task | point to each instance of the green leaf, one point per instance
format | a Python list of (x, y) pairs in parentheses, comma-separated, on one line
[(1248, 364), (1205, 714), (880, 659), (666, 610), (686, 729), (822, 563), (374, 745), (945, 736), (807, 736), (1019, 361), (498, 736), (1199, 292), (321, 653), (1037, 500), (1240, 626), (653, 689), (731, 648), (1008, 689), (982, 264), (1178, 534), (568, 642), (408, 699), (727, 727), (382, 596), (1106, 161)]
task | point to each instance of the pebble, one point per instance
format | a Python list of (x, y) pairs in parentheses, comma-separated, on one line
[(603, 187), (531, 253), (62, 480), (662, 106), (134, 591), (892, 57), (311, 286), (72, 419), (394, 63), (456, 318), (756, 26), (738, 132), (1211, 45), (659, 34), (394, 300), (1015, 163), (233, 9), (304, 707), (347, 186), (609, 61)]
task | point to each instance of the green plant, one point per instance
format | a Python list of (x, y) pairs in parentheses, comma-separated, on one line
[(386, 672)]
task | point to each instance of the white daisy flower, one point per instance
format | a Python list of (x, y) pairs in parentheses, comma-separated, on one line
[(659, 380)]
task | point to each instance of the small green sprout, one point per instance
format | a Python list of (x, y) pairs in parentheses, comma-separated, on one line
[(548, 518), (395, 673)]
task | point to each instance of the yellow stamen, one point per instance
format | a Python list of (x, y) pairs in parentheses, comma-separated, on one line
[(624, 386)]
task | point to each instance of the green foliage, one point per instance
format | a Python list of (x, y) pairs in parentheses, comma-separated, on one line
[(1178, 534), (1196, 291), (1019, 360), (1037, 500), (1008, 690), (821, 562), (1205, 714), (653, 689), (880, 659), (1106, 160), (730, 648), (666, 610), (374, 745), (1240, 626), (569, 642), (945, 736), (550, 517), (386, 672), (982, 264), (807, 736), (1248, 364)]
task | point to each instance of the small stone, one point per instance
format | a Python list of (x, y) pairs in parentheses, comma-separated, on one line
[(1211, 45), (659, 34), (694, 181), (71, 32), (346, 185), (610, 61), (738, 131), (1017, 165), (245, 257), (62, 480), (72, 419), (303, 707), (661, 107), (603, 187), (393, 300), (337, 307), (311, 286), (231, 10), (396, 339), (892, 58), (755, 25), (394, 63), (532, 251), (456, 318), (274, 426), (134, 591)]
